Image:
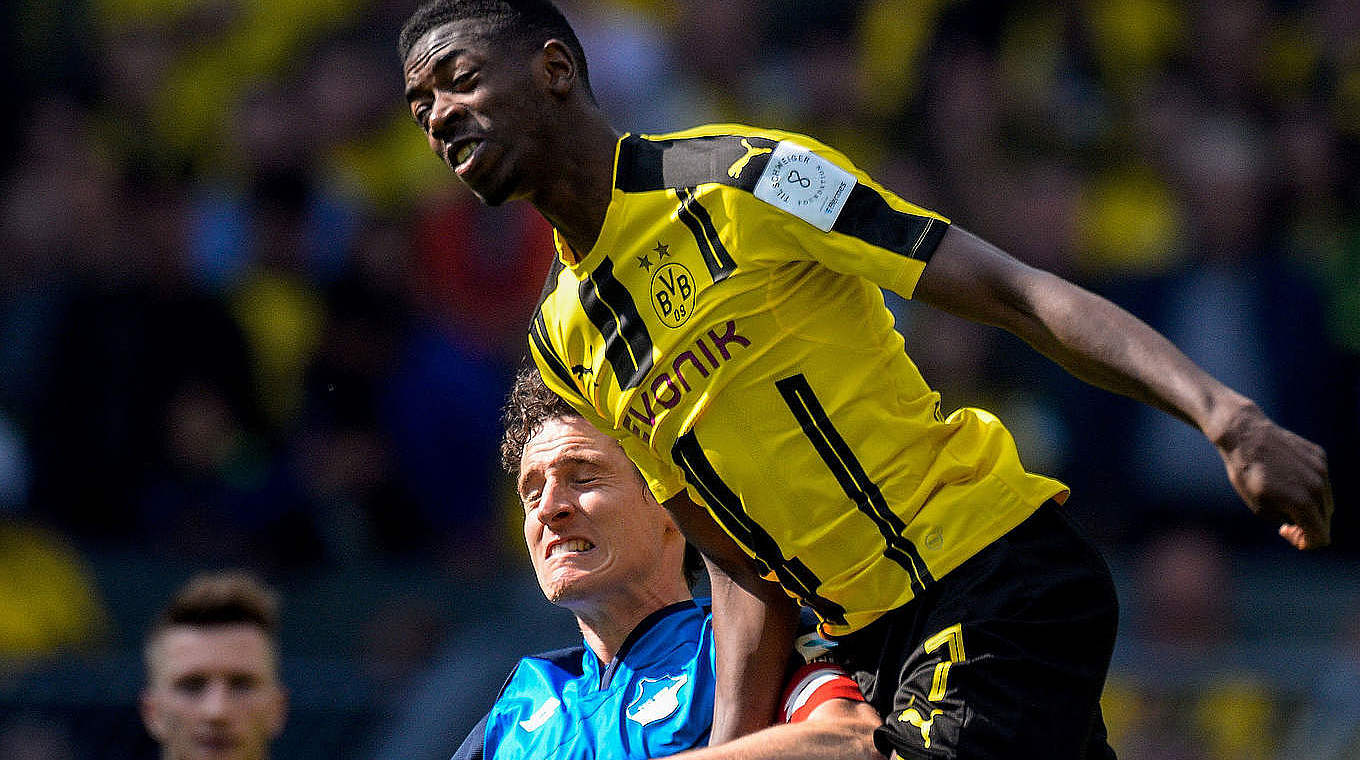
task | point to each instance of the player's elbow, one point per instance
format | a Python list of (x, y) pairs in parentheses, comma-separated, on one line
[(847, 725), (856, 742)]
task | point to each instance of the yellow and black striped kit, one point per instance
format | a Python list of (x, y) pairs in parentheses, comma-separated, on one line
[(728, 327)]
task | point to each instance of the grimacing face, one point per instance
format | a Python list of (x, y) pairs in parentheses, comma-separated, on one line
[(213, 693), (483, 106), (595, 534)]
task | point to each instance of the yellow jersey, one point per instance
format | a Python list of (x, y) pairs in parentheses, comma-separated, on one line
[(729, 328)]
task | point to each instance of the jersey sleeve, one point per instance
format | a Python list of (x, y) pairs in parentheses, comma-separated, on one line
[(665, 480), (817, 205)]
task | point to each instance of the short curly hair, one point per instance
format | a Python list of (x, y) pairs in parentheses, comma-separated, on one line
[(532, 22), (528, 406)]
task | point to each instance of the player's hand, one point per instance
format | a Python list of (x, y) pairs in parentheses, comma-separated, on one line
[(1281, 476)]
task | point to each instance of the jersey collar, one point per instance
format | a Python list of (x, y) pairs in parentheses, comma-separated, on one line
[(572, 258), (607, 674)]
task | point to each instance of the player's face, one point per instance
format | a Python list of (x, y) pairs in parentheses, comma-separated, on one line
[(214, 693), (595, 534), (483, 105)]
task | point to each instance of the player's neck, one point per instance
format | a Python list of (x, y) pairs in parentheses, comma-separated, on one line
[(577, 196), (605, 627)]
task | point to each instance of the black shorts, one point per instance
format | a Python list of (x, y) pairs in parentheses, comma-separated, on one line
[(1004, 657)]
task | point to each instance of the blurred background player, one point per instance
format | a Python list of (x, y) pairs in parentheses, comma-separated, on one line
[(642, 686), (213, 689)]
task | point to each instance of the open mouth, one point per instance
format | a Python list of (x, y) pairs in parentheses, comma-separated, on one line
[(216, 744), (462, 157), (572, 546)]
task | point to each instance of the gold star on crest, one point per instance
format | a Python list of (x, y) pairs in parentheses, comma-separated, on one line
[(662, 250)]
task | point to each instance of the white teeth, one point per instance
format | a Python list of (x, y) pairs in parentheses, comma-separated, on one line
[(465, 151), (574, 545)]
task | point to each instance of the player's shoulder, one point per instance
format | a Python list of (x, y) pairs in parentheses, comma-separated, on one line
[(734, 155), (732, 130), (567, 659), (535, 672), (674, 622)]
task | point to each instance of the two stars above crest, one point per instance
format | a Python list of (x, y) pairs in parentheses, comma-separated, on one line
[(662, 251)]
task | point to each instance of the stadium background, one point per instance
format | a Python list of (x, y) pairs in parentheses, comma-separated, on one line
[(247, 320)]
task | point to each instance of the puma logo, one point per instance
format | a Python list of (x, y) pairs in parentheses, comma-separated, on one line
[(734, 171), (912, 716)]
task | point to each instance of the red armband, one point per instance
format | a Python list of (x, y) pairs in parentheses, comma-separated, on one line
[(812, 685)]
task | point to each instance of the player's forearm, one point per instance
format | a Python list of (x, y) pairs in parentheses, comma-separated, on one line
[(753, 627), (843, 732)]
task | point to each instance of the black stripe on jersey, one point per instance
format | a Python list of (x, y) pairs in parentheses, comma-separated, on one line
[(550, 284), (538, 328), (728, 511), (639, 166), (645, 165), (538, 333), (627, 344), (700, 224), (868, 216), (854, 480)]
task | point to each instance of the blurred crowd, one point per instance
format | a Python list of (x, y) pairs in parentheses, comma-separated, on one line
[(246, 319)]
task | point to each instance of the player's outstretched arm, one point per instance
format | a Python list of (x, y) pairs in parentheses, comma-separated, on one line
[(1280, 476), (839, 729), (753, 626)]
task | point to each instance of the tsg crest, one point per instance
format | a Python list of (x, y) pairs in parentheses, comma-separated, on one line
[(656, 699)]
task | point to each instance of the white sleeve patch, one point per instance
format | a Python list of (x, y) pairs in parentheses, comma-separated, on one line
[(805, 184)]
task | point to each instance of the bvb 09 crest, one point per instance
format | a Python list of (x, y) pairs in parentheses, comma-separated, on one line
[(673, 294)]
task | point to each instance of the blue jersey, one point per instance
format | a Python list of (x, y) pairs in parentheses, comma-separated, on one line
[(654, 699)]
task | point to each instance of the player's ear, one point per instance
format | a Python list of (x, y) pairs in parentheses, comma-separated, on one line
[(560, 67), (150, 708), (279, 713)]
